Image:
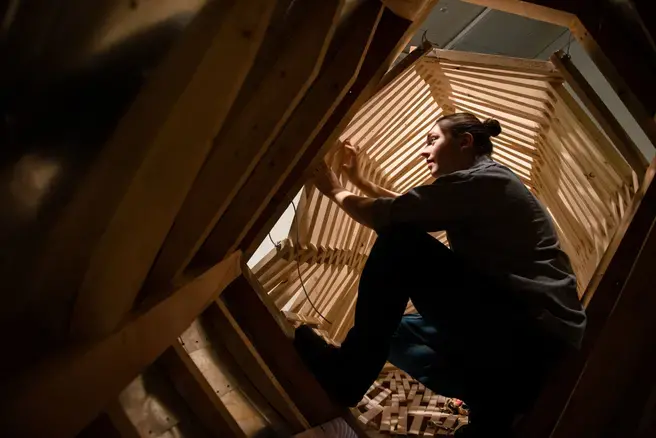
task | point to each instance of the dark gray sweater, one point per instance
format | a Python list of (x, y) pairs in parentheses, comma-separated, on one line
[(493, 221)]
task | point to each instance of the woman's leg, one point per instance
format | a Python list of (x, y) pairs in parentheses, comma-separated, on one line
[(417, 349), (405, 263), (476, 318)]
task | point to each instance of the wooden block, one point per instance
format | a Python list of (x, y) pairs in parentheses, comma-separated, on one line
[(402, 427), (371, 414)]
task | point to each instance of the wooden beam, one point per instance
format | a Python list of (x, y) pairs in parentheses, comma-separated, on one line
[(628, 333), (334, 81), (265, 327), (141, 177), (392, 34), (67, 390), (261, 111), (197, 392)]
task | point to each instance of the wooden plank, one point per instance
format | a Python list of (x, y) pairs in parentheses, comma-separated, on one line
[(197, 392), (496, 62), (328, 90), (628, 333), (142, 175), (600, 298), (596, 106), (264, 327), (260, 114), (225, 328), (392, 34), (67, 390)]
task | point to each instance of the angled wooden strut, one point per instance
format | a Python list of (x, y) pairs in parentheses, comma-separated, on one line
[(66, 391), (260, 112)]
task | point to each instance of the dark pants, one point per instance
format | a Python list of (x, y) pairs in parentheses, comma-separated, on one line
[(472, 339)]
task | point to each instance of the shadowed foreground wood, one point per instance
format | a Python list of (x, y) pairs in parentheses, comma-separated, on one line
[(66, 391)]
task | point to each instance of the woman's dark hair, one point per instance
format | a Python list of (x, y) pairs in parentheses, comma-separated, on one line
[(460, 123)]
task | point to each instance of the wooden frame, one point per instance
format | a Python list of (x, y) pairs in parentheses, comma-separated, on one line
[(153, 174), (550, 142)]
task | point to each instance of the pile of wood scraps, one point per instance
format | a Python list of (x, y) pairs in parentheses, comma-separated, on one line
[(397, 404)]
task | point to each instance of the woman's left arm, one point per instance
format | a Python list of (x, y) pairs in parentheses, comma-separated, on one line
[(360, 208)]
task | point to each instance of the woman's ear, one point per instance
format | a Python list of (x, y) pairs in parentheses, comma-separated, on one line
[(466, 141)]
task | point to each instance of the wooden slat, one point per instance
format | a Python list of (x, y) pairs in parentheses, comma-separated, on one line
[(140, 179), (596, 106), (67, 390), (197, 392), (261, 112), (496, 61)]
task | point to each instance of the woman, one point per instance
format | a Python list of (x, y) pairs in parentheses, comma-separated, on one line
[(496, 309)]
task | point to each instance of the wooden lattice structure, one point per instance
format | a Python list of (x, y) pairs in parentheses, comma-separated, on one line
[(557, 149), (134, 314)]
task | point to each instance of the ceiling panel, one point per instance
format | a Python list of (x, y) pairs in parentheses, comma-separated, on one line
[(500, 33), (446, 20)]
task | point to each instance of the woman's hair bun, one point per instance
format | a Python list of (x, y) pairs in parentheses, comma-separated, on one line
[(492, 127)]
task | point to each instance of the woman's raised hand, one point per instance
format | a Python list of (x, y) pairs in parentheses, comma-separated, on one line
[(350, 165)]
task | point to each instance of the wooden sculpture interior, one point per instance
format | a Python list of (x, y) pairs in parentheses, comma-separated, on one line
[(586, 180), (136, 314)]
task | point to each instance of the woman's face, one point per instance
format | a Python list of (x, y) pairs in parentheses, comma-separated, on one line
[(444, 153)]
